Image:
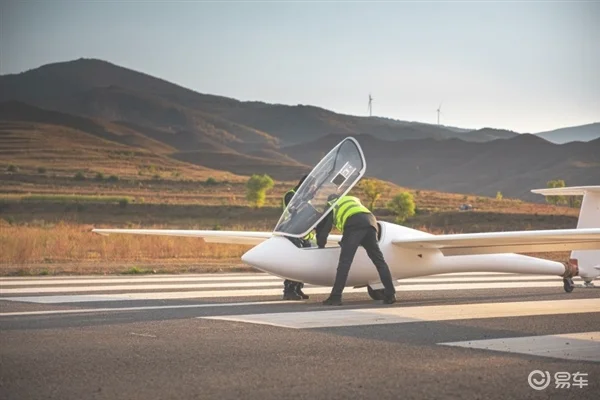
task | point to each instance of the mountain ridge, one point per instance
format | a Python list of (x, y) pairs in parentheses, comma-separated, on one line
[(245, 137)]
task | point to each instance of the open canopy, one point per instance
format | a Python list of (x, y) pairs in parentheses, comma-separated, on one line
[(335, 174)]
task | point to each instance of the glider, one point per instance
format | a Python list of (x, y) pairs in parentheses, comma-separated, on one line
[(408, 252)]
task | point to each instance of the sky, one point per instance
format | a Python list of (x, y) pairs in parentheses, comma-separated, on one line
[(527, 66)]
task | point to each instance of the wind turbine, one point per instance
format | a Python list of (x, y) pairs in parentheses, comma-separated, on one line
[(439, 111), (370, 105)]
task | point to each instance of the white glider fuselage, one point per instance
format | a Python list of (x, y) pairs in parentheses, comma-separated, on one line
[(279, 256)]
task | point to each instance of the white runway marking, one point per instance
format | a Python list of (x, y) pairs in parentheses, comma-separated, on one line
[(584, 346), (461, 277), (114, 288), (115, 309), (267, 292), (141, 279), (262, 283), (397, 315)]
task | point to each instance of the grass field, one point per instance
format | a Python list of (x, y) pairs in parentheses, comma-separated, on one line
[(45, 221)]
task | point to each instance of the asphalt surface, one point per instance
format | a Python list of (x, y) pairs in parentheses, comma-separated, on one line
[(167, 343)]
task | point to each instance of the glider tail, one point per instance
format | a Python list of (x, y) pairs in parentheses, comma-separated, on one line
[(588, 261)]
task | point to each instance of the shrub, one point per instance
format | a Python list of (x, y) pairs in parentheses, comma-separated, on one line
[(79, 176), (257, 187), (402, 206)]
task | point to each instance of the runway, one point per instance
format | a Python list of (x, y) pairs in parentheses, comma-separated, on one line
[(470, 335)]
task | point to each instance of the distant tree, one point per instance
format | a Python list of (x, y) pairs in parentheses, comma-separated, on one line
[(79, 176), (41, 170), (556, 200), (256, 189), (402, 205), (373, 190), (499, 196), (211, 181), (99, 177), (12, 168)]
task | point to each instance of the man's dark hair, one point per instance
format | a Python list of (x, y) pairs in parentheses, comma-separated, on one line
[(301, 181)]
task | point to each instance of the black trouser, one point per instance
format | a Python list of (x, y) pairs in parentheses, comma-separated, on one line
[(365, 236), (293, 286)]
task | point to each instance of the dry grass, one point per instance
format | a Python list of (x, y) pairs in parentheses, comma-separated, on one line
[(39, 241), (73, 249), (69, 243)]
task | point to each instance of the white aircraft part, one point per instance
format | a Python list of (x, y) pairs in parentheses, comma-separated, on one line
[(232, 237), (229, 237), (335, 174), (506, 242), (588, 260), (278, 256)]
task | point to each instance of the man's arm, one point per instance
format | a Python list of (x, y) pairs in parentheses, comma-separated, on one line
[(323, 229)]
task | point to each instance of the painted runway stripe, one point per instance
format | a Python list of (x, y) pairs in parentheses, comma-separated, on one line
[(66, 289), (584, 346), (20, 281), (151, 276), (145, 308), (261, 283), (86, 280), (266, 292), (399, 315)]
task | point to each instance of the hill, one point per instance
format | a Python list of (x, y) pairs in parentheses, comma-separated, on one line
[(486, 135), (582, 133), (513, 166), (99, 89), (33, 139), (75, 108)]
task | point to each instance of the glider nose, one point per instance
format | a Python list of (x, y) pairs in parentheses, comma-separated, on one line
[(253, 256), (258, 255), (267, 256)]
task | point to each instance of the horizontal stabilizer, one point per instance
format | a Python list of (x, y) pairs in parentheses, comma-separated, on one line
[(506, 242), (567, 191)]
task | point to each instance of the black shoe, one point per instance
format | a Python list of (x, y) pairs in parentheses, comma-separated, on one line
[(389, 299), (300, 292), (333, 301), (292, 296)]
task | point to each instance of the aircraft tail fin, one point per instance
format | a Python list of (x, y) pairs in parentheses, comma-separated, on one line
[(589, 217)]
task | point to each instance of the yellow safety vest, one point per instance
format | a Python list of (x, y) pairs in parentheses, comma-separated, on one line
[(346, 207), (311, 235)]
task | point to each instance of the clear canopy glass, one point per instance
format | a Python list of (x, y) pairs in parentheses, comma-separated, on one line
[(335, 174)]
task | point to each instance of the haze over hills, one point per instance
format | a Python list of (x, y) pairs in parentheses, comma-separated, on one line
[(513, 166), (132, 109), (582, 133)]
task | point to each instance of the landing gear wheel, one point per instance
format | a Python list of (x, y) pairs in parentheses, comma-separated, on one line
[(375, 294), (568, 285)]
